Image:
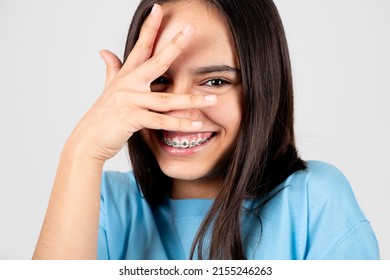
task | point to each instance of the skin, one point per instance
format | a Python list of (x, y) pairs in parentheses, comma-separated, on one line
[(127, 105), (208, 65)]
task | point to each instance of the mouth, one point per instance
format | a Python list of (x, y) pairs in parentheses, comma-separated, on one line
[(185, 141)]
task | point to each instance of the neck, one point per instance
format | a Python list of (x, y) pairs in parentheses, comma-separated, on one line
[(208, 188)]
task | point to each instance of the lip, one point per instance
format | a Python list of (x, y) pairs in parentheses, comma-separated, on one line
[(174, 151)]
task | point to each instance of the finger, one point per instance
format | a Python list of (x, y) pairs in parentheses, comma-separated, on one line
[(165, 102), (153, 120), (144, 45), (113, 64), (160, 63)]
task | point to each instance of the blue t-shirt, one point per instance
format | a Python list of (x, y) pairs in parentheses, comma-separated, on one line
[(311, 215)]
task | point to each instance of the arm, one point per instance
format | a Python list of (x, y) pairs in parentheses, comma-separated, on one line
[(127, 105), (71, 223)]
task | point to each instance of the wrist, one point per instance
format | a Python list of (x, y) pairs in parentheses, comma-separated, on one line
[(79, 155)]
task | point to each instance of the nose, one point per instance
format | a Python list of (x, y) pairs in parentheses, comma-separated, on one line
[(183, 87)]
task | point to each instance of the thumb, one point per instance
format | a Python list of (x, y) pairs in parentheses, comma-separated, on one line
[(113, 64)]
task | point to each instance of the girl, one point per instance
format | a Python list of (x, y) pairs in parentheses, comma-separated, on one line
[(205, 101)]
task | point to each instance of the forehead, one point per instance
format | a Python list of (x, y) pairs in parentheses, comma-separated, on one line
[(212, 35)]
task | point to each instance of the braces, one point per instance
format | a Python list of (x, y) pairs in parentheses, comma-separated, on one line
[(184, 143)]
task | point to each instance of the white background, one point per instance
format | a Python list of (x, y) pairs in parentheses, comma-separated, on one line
[(51, 73)]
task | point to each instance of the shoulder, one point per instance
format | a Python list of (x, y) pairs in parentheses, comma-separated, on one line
[(325, 174), (335, 220), (321, 181), (319, 171), (324, 188)]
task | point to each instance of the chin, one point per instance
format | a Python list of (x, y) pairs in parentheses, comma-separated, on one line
[(182, 171)]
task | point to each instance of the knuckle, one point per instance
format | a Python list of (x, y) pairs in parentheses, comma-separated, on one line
[(143, 46), (180, 123), (171, 123), (194, 99), (161, 119), (165, 98), (175, 43), (161, 62)]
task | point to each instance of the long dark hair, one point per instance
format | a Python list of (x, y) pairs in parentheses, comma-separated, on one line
[(265, 153)]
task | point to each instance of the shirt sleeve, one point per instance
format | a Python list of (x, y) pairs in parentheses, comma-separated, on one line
[(102, 246), (108, 182), (102, 249), (337, 227), (358, 244)]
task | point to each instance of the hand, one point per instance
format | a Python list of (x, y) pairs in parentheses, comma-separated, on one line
[(127, 103)]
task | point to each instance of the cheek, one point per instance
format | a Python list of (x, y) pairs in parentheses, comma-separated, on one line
[(227, 113)]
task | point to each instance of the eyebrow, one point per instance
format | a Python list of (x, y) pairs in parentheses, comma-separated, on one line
[(213, 69)]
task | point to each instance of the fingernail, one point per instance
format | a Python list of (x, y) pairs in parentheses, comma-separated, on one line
[(186, 29), (210, 97), (196, 124), (153, 10)]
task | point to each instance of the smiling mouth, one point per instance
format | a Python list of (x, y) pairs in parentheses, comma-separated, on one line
[(181, 140)]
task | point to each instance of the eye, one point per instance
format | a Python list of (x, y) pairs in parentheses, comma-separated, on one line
[(160, 81), (216, 83), (159, 84)]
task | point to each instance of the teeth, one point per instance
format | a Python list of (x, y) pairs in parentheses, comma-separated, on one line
[(176, 143), (193, 143), (184, 143)]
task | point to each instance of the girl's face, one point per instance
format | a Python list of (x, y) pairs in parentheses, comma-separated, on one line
[(207, 66)]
